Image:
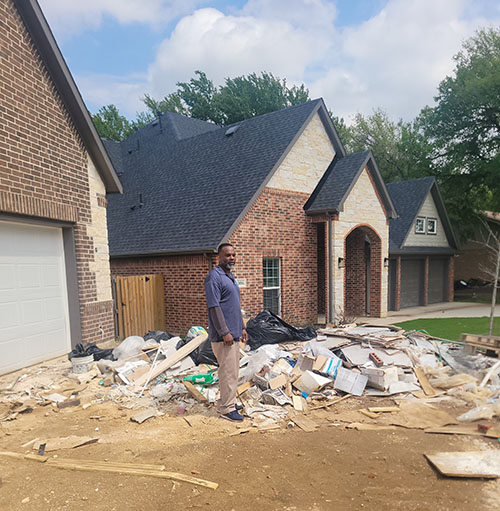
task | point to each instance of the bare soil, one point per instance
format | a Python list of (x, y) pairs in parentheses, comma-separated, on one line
[(333, 468)]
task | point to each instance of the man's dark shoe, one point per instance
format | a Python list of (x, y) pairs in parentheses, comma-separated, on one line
[(232, 416)]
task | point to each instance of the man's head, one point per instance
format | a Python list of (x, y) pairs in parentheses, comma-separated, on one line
[(227, 256)]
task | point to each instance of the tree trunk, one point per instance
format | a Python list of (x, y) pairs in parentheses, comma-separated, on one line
[(494, 293)]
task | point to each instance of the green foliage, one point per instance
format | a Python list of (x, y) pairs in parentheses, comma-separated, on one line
[(239, 98), (399, 148), (464, 130), (111, 125)]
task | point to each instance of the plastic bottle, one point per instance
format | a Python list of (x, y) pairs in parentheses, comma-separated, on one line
[(181, 409)]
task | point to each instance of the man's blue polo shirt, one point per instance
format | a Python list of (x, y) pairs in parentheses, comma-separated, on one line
[(222, 291)]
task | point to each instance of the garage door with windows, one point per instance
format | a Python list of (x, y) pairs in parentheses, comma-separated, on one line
[(34, 321)]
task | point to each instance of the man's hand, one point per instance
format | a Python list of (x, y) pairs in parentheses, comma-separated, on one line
[(228, 339), (244, 336)]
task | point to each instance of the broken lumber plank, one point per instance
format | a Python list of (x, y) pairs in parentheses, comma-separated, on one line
[(195, 392), (304, 423), (383, 409), (173, 359), (428, 389), (244, 387), (467, 464), (372, 415), (334, 402)]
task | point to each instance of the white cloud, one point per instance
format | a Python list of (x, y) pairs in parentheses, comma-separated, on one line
[(395, 60), (70, 17)]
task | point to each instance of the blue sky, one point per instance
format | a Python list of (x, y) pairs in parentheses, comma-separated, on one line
[(357, 54)]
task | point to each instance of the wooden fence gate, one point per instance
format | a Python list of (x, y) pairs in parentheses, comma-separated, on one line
[(140, 304)]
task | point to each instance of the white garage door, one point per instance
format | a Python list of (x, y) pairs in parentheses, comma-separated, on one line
[(34, 323)]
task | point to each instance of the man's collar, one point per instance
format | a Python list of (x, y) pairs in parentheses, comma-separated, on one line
[(223, 272)]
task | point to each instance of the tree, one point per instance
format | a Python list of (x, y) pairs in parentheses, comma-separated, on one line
[(464, 130), (111, 125), (399, 148), (239, 98)]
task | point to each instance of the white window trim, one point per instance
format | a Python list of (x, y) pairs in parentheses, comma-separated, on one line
[(416, 223), (432, 233), (278, 287)]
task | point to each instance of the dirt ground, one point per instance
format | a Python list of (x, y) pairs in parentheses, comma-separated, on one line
[(333, 468)]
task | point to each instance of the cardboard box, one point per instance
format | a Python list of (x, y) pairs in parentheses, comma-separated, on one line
[(310, 382)]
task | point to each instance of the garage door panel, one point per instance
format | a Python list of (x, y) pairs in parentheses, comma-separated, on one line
[(411, 282), (437, 279), (34, 322)]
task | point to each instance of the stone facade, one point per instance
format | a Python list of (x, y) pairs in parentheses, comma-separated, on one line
[(44, 168), (306, 162), (362, 208)]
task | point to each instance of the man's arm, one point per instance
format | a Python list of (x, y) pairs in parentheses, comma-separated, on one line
[(217, 319)]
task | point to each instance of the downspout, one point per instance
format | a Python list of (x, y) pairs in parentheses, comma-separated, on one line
[(331, 287)]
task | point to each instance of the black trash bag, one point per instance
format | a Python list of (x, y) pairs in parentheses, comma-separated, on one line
[(158, 335), (203, 354), (267, 328), (90, 349)]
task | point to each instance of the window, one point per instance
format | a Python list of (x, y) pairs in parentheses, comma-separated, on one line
[(272, 285), (431, 226), (420, 225)]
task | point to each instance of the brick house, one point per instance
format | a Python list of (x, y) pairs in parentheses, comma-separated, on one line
[(310, 224), (55, 286), (422, 246)]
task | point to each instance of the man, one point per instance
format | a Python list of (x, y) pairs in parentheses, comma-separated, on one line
[(225, 329)]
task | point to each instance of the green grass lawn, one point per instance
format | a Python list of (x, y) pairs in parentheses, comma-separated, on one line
[(451, 328)]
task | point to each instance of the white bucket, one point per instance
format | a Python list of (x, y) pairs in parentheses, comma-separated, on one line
[(82, 364)]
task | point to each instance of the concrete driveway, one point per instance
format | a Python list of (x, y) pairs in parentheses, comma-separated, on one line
[(437, 310)]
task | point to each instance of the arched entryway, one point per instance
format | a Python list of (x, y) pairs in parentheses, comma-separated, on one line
[(363, 272)]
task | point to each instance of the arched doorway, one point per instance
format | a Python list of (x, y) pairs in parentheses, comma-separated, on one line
[(363, 272)]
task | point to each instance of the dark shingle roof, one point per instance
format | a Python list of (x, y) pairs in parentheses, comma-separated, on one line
[(408, 197), (340, 177), (193, 190), (336, 182)]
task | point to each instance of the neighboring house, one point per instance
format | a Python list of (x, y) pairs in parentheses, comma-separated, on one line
[(310, 224), (475, 261), (422, 246), (54, 173)]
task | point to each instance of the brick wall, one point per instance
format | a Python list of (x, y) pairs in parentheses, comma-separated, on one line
[(43, 163), (276, 226), (183, 279)]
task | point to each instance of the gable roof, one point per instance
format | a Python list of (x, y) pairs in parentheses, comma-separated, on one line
[(188, 194), (408, 197), (338, 180), (43, 38)]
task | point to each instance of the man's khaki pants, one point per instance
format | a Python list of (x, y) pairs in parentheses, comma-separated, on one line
[(228, 358)]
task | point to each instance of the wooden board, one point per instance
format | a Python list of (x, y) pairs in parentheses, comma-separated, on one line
[(173, 359), (244, 387), (195, 392), (484, 464), (424, 382), (303, 422), (297, 403)]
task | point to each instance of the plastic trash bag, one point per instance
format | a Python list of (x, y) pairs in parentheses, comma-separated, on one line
[(267, 328), (158, 335), (129, 347), (90, 349)]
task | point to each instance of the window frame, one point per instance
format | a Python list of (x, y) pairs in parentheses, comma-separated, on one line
[(270, 288), (417, 231), (427, 230)]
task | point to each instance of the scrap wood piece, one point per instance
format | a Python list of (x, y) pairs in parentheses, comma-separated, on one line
[(494, 369), (484, 464), (428, 389), (195, 392), (244, 387), (383, 409), (297, 403), (372, 415), (360, 426), (144, 415), (466, 429), (174, 358), (116, 464), (304, 422), (19, 456), (334, 402), (240, 432), (68, 442)]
